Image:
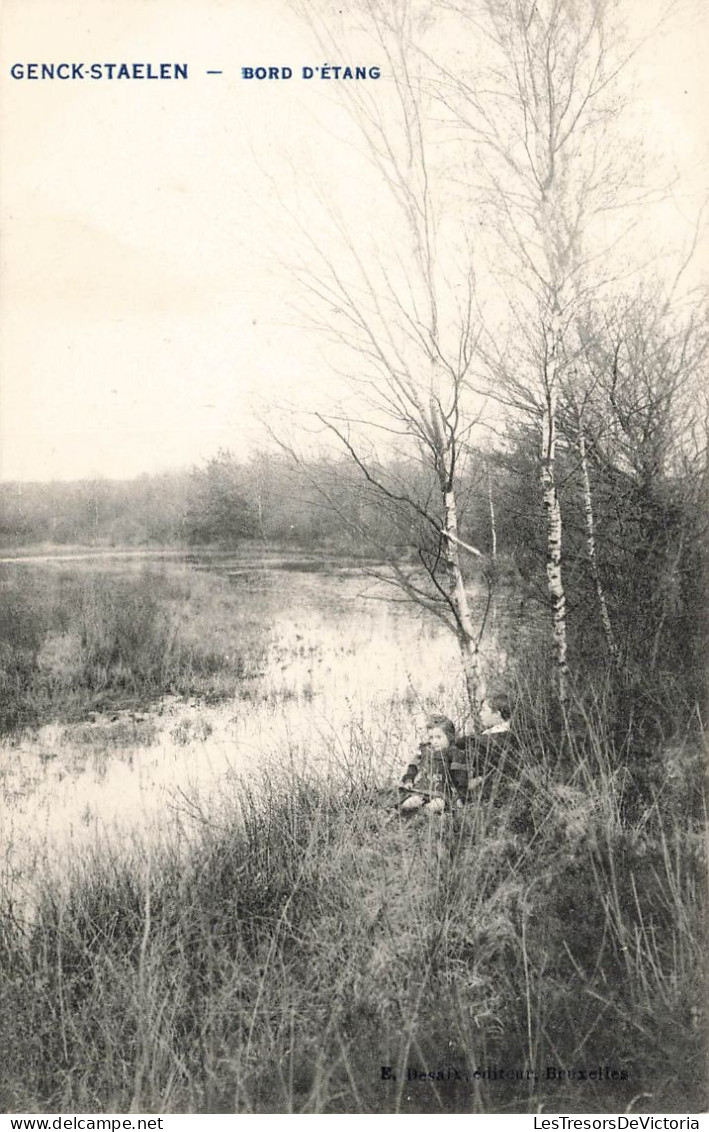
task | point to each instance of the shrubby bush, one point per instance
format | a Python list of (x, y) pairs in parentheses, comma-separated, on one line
[(275, 956), (95, 639)]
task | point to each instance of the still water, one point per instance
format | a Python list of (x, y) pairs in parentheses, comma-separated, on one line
[(348, 676)]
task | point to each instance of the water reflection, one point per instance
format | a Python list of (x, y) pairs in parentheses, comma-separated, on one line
[(341, 662)]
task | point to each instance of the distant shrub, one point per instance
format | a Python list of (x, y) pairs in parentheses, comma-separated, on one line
[(78, 640)]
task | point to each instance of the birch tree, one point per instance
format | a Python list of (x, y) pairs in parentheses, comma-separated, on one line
[(399, 305), (506, 145), (538, 120), (641, 431), (591, 548)]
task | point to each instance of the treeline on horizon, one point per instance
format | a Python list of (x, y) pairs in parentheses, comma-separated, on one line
[(219, 503)]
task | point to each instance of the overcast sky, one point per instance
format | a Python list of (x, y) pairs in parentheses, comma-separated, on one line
[(147, 226)]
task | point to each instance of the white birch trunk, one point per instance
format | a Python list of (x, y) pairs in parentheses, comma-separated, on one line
[(259, 510), (493, 525), (459, 601), (451, 543), (591, 550), (552, 510)]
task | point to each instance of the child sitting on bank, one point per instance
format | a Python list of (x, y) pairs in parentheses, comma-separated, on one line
[(438, 780), (495, 714), (449, 769), (486, 750)]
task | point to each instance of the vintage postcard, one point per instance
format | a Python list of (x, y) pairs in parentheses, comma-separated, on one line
[(353, 626)]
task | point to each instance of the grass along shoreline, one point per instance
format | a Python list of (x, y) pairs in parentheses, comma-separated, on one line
[(104, 632), (288, 947), (81, 640), (276, 945)]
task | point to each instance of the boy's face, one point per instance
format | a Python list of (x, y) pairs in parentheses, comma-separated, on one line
[(437, 738), (488, 716)]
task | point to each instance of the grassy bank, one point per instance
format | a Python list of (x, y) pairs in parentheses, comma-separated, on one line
[(88, 638), (275, 954)]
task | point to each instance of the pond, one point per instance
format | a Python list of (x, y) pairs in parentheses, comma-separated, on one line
[(346, 677)]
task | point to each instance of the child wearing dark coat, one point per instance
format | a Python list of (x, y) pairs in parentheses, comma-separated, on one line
[(488, 749), (449, 770), (438, 780)]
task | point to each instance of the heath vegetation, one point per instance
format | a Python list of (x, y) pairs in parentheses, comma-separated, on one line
[(516, 445), (278, 948)]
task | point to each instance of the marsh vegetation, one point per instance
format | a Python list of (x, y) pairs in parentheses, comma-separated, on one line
[(205, 908), (231, 927)]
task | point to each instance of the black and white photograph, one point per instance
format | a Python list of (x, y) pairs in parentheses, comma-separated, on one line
[(353, 559)]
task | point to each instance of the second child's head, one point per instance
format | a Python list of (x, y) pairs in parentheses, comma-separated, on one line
[(440, 733), (496, 710)]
